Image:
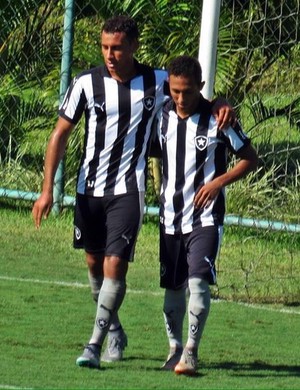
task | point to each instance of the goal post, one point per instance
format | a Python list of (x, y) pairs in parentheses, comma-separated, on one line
[(208, 42)]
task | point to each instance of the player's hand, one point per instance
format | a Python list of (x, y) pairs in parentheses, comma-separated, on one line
[(224, 113), (207, 194), (42, 208)]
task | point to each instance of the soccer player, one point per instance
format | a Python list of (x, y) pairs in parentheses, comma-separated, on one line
[(119, 101), (194, 175)]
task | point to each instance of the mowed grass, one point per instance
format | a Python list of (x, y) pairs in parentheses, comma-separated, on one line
[(47, 316)]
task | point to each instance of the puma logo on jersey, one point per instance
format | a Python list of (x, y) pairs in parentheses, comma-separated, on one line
[(149, 102), (164, 140), (90, 183), (101, 106), (201, 142)]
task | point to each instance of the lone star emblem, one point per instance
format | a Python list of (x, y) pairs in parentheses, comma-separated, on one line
[(149, 102), (102, 323), (194, 329), (201, 142)]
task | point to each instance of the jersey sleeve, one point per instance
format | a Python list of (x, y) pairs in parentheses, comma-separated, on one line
[(235, 138), (73, 104)]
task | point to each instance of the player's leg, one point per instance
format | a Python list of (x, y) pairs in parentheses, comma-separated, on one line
[(90, 234), (174, 311), (95, 272), (95, 276), (173, 278), (110, 298), (203, 245), (198, 310), (123, 219)]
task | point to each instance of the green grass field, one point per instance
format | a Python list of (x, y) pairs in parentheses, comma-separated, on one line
[(47, 315)]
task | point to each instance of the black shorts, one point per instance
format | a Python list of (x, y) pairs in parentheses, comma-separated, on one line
[(108, 224), (184, 256)]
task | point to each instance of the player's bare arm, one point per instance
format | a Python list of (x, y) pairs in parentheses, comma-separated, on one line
[(247, 162), (55, 151)]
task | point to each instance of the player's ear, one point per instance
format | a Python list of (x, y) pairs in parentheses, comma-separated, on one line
[(135, 45), (201, 85)]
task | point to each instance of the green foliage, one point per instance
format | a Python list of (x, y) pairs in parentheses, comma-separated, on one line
[(29, 57), (257, 69), (162, 28), (264, 198), (263, 39)]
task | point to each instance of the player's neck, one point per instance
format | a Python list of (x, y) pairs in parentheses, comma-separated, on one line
[(125, 75)]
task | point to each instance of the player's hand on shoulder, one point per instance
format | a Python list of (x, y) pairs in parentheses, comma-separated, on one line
[(224, 113)]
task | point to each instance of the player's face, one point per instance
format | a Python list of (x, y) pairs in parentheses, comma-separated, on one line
[(118, 53), (185, 92)]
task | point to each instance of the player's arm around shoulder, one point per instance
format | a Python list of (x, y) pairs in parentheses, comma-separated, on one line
[(54, 153), (223, 112)]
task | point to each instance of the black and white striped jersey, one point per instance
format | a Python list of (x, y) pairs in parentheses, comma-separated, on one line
[(118, 119), (193, 153)]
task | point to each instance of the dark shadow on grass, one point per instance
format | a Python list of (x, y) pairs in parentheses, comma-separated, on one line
[(256, 369), (158, 362), (253, 369)]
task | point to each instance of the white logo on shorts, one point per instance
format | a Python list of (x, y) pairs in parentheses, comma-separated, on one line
[(163, 269), (77, 233)]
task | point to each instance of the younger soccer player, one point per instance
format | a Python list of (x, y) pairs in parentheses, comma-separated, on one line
[(192, 205)]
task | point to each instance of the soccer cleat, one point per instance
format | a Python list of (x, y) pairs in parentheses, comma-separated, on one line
[(187, 364), (116, 343), (172, 359), (90, 357)]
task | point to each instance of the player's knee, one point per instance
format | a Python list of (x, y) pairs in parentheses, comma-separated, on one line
[(199, 301), (198, 286)]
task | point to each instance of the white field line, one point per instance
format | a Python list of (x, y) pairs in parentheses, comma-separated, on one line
[(7, 387), (70, 284), (155, 293)]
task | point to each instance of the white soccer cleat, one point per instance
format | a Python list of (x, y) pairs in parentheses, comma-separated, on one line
[(116, 344), (90, 357)]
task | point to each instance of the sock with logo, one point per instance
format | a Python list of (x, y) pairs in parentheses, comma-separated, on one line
[(110, 299), (198, 310), (174, 311)]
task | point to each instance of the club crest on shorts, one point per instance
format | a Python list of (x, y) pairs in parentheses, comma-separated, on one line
[(77, 233), (201, 142), (163, 269), (149, 102)]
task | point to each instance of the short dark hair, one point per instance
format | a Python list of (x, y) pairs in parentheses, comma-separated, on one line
[(185, 66), (122, 23)]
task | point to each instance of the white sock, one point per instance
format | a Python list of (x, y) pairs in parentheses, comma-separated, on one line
[(174, 312), (95, 284), (109, 301), (198, 308)]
